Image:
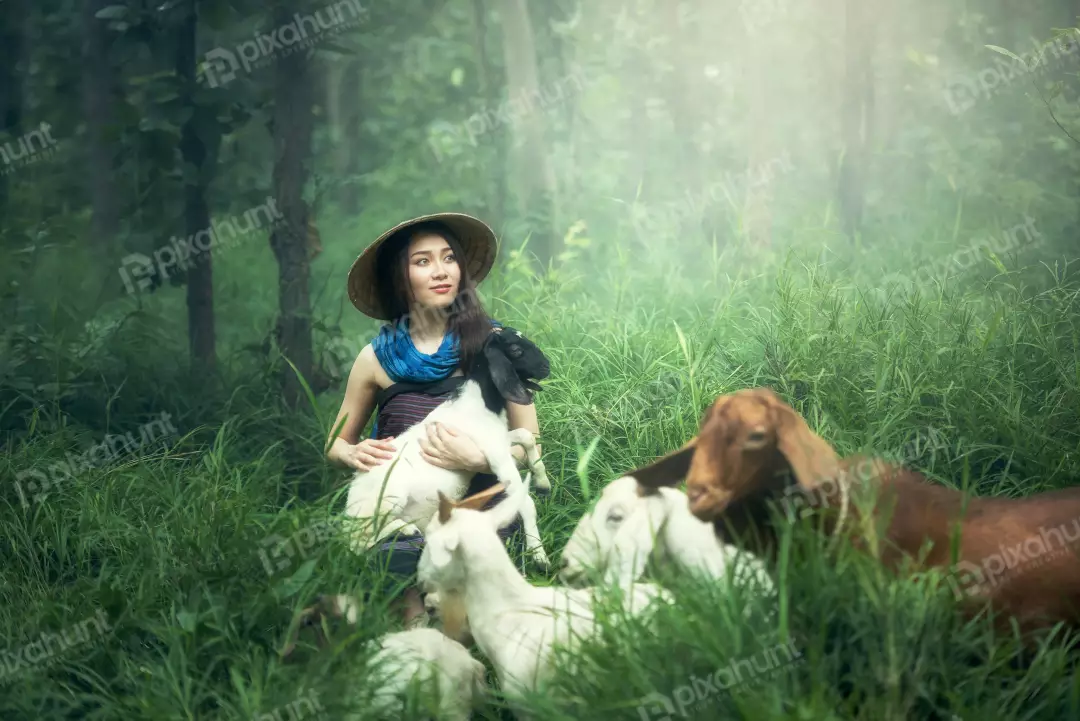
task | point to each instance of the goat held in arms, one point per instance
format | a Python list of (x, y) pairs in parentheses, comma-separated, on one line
[(749, 446), (404, 492)]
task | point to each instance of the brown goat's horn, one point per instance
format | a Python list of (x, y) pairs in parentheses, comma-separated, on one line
[(474, 502), (477, 500)]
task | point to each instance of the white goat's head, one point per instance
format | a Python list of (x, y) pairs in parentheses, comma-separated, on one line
[(443, 535), (615, 538), (441, 569)]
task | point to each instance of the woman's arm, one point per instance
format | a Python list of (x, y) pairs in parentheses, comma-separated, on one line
[(445, 447), (356, 408)]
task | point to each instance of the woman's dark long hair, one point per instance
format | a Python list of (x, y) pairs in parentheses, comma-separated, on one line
[(465, 316)]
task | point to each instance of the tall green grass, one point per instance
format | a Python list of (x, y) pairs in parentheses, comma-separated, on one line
[(975, 383)]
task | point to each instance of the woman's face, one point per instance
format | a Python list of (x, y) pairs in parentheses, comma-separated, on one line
[(434, 272)]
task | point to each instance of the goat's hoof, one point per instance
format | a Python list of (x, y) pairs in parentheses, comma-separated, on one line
[(539, 557), (540, 479)]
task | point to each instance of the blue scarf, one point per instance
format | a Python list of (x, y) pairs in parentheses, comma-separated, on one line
[(405, 364)]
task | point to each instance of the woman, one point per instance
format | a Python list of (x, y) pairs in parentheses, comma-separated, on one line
[(422, 276)]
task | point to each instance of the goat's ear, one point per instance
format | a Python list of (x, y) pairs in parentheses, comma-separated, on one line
[(812, 459), (667, 470), (505, 377), (452, 613), (441, 547)]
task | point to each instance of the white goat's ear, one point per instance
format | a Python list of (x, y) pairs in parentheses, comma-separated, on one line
[(442, 548)]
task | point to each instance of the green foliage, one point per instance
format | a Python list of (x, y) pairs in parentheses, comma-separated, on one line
[(935, 336), (172, 542)]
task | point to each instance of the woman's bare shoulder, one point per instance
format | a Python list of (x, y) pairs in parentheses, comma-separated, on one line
[(367, 355), (367, 367)]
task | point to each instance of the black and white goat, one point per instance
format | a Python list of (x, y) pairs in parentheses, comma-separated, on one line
[(403, 493)]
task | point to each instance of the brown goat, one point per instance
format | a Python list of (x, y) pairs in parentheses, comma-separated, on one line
[(1018, 553)]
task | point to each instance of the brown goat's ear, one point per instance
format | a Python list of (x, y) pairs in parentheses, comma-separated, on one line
[(452, 612), (667, 470), (477, 500), (812, 459), (445, 506)]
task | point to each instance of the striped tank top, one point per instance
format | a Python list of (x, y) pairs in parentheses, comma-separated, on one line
[(402, 405)]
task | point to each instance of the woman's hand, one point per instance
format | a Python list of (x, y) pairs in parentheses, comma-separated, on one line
[(366, 454), (446, 448)]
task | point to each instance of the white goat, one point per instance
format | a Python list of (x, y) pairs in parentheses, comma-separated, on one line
[(631, 526), (514, 623), (404, 489), (426, 657)]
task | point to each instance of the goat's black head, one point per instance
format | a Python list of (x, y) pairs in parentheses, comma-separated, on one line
[(514, 363)]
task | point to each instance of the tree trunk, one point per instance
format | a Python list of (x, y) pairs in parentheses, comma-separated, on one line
[(856, 113), (331, 99), (11, 95), (533, 173), (293, 126), (98, 85), (494, 199), (193, 151), (351, 89)]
